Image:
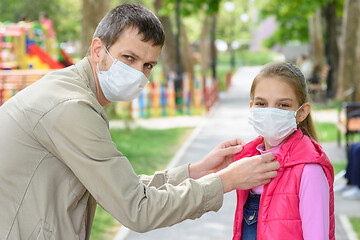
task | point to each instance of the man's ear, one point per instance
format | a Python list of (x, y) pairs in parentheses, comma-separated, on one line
[(95, 51), (303, 112)]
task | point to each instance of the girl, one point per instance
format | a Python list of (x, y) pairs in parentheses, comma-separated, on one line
[(298, 203)]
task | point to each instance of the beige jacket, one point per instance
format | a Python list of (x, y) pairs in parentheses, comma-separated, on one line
[(57, 161)]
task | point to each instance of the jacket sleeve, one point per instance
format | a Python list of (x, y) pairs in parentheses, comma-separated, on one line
[(78, 136), (172, 176)]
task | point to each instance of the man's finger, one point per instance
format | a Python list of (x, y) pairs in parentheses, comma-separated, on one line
[(232, 142), (267, 157), (272, 166), (232, 150)]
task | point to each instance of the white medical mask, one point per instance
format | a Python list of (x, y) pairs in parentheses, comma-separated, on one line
[(273, 124), (121, 82)]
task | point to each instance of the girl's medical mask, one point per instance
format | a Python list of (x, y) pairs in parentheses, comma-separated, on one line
[(273, 124), (121, 82)]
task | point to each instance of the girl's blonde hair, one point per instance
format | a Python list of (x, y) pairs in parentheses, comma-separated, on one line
[(292, 75)]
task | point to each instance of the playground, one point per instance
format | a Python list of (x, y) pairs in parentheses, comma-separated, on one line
[(27, 53)]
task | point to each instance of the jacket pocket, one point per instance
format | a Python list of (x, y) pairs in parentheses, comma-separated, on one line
[(42, 231)]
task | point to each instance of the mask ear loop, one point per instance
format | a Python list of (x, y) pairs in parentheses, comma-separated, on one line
[(108, 52), (297, 123), (97, 65)]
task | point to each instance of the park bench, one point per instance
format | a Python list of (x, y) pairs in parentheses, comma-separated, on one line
[(317, 90), (348, 123)]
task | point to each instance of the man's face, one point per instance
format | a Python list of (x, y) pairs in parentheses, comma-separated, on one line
[(131, 50)]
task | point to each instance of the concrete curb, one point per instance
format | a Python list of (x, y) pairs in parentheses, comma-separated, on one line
[(345, 222), (124, 232)]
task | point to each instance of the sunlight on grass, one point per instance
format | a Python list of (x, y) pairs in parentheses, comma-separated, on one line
[(355, 222), (148, 150)]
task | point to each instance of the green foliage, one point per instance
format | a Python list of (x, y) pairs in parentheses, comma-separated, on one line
[(65, 14), (190, 7), (12, 10), (229, 24), (292, 17)]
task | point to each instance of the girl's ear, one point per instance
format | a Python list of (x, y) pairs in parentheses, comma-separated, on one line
[(251, 103), (303, 112)]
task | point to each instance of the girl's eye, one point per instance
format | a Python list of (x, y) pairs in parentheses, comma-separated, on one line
[(259, 104), (284, 105)]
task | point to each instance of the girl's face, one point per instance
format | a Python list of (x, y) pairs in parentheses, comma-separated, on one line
[(274, 93)]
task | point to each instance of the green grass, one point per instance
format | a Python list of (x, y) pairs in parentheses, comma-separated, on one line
[(327, 132), (334, 104), (148, 150), (355, 222), (338, 166)]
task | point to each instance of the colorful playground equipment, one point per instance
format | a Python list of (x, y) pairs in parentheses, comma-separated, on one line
[(26, 45), (26, 54), (159, 99)]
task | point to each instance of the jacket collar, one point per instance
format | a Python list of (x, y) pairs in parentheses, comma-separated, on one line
[(86, 72)]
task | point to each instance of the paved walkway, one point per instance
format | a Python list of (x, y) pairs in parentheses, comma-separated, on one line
[(229, 120)]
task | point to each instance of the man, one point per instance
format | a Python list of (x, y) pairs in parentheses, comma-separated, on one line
[(57, 159)]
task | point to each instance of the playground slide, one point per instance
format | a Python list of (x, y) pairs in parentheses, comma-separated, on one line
[(44, 57), (66, 58)]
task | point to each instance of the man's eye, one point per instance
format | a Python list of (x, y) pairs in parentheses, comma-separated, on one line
[(148, 66), (129, 58)]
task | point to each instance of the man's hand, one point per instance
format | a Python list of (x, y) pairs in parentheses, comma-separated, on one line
[(249, 172), (219, 158)]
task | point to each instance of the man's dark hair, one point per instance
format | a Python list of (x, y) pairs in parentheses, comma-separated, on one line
[(126, 16)]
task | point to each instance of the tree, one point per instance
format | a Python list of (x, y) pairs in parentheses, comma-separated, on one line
[(331, 45), (316, 39), (92, 12), (168, 54), (64, 14), (188, 8), (349, 66)]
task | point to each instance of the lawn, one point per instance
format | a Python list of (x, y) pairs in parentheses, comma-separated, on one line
[(148, 151), (355, 222)]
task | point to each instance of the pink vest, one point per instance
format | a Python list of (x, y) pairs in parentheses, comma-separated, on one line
[(279, 214)]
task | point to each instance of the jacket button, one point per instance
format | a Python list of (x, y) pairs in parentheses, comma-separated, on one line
[(252, 217)]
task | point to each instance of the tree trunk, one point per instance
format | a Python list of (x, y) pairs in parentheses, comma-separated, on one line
[(316, 39), (212, 45), (92, 12), (168, 52), (205, 54), (331, 47), (187, 60), (349, 64)]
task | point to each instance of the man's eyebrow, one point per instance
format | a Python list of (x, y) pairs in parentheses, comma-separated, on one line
[(131, 53)]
